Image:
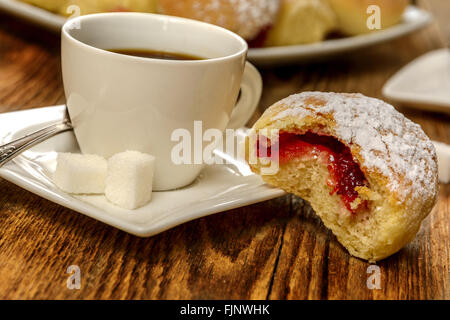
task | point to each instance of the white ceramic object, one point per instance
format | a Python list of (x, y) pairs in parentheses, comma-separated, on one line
[(424, 83), (33, 14), (120, 102), (443, 157), (218, 188), (413, 19)]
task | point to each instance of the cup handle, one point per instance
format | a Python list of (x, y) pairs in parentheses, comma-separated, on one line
[(251, 89)]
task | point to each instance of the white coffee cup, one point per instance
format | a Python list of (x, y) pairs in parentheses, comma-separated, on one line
[(120, 102)]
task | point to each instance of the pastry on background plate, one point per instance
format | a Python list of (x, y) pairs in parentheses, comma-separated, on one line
[(263, 23), (248, 18), (89, 6), (97, 6), (352, 14), (301, 22), (367, 171)]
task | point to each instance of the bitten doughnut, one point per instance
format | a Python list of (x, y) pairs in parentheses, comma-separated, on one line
[(248, 18), (352, 14), (367, 171), (300, 22)]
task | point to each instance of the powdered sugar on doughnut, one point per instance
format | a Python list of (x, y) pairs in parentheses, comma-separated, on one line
[(389, 143), (253, 15), (248, 18)]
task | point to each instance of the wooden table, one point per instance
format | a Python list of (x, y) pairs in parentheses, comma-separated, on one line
[(272, 250)]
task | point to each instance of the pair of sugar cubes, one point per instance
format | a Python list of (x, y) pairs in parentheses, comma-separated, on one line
[(125, 178)]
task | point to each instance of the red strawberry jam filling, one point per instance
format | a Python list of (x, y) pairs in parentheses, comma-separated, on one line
[(345, 173)]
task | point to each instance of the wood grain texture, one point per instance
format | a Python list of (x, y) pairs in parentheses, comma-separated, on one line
[(276, 249)]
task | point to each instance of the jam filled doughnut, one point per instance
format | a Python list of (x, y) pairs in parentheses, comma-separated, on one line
[(367, 171), (248, 18)]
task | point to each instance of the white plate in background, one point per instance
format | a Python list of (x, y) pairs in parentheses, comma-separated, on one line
[(34, 14), (413, 19), (218, 188)]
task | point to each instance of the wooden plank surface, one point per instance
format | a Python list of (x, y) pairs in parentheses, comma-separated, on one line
[(277, 249)]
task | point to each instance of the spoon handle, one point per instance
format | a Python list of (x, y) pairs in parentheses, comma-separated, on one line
[(11, 149)]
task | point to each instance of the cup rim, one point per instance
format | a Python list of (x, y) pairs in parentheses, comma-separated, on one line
[(65, 33)]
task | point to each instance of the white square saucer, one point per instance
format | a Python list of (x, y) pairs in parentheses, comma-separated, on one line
[(424, 83), (218, 188)]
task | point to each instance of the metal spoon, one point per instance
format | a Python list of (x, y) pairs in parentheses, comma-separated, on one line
[(11, 149)]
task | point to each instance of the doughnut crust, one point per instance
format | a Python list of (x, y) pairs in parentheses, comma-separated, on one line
[(396, 157), (245, 17)]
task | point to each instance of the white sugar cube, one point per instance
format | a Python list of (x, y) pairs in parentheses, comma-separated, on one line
[(80, 173), (129, 179), (443, 155)]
